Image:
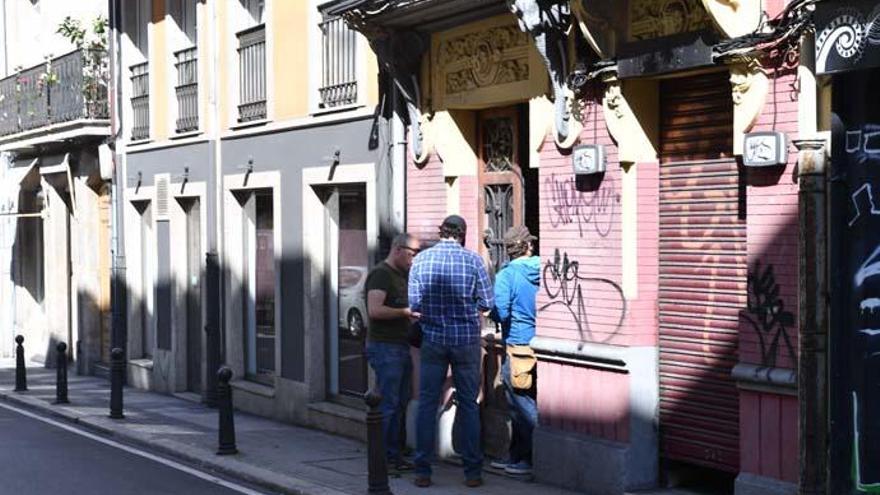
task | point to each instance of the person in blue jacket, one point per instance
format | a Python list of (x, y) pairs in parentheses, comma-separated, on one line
[(516, 288)]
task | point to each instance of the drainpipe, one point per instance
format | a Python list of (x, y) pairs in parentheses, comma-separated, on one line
[(812, 317), (119, 333), (398, 161)]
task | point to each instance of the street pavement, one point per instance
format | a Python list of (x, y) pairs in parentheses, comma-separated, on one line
[(278, 457), (38, 458)]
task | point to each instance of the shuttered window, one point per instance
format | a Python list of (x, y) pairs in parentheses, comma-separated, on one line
[(702, 273)]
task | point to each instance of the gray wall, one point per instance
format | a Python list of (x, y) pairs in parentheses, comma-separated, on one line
[(289, 152)]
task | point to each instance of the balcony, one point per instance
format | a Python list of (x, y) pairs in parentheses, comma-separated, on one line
[(338, 59), (64, 98), (140, 101), (252, 74), (187, 90)]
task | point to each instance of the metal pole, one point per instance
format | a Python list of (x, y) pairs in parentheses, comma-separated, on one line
[(117, 377), (61, 375), (377, 464), (212, 327), (812, 318), (20, 370), (226, 433)]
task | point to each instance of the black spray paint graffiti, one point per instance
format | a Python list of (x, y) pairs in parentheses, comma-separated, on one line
[(863, 355), (566, 287), (569, 205), (768, 316)]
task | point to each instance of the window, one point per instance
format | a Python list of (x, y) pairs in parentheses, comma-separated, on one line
[(184, 14), (260, 327), (338, 63), (256, 9), (137, 22)]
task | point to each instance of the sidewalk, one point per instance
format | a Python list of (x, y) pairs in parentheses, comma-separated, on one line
[(277, 456)]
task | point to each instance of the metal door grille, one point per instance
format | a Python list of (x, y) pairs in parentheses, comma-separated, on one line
[(703, 272)]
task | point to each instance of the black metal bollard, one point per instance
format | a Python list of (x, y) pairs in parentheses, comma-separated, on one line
[(377, 464), (224, 407), (20, 370), (117, 376), (61, 375)]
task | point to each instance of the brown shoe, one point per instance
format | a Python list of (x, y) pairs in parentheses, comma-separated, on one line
[(422, 481), (474, 483)]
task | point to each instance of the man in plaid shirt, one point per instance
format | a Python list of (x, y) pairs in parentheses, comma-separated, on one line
[(449, 286)]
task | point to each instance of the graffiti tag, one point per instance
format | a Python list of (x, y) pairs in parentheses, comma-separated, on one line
[(768, 316), (565, 287), (568, 205)]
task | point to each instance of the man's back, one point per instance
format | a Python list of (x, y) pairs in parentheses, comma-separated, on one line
[(449, 286)]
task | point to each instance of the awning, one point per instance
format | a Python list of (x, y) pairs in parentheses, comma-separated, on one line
[(56, 169), (15, 177)]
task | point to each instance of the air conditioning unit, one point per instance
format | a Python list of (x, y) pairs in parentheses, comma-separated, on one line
[(588, 159), (765, 149)]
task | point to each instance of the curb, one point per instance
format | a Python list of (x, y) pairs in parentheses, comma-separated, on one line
[(229, 466)]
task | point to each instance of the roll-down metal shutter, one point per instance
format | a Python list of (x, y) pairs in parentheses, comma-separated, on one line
[(702, 273)]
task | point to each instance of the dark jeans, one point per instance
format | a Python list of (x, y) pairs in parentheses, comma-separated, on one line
[(393, 366), (465, 362), (523, 411)]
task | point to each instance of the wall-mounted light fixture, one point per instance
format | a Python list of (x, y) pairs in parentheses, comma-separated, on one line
[(765, 149), (588, 159)]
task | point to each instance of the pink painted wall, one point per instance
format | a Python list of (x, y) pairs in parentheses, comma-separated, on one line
[(584, 400), (426, 198), (769, 435), (769, 421)]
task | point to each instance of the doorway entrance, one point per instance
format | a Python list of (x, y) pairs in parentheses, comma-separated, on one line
[(348, 259)]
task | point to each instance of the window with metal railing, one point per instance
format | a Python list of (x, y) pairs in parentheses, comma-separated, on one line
[(339, 64), (252, 73), (187, 89), (140, 101)]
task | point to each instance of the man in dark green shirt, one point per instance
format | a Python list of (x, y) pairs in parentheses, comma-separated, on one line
[(387, 339)]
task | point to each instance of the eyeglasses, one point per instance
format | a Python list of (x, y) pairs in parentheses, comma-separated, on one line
[(414, 251)]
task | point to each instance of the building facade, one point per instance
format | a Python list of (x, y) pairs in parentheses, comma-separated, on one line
[(260, 185), (56, 225), (651, 145)]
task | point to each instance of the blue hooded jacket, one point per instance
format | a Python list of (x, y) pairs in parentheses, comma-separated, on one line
[(516, 287)]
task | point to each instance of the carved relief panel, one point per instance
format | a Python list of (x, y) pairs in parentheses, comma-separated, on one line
[(650, 19), (485, 63)]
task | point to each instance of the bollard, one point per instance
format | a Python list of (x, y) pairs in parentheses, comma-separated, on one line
[(117, 376), (377, 464), (224, 407), (20, 370), (61, 375)]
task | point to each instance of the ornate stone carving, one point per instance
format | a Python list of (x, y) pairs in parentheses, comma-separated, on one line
[(734, 18), (484, 58), (547, 23), (749, 86), (658, 18)]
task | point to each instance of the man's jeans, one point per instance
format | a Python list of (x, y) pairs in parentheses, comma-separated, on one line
[(465, 362), (393, 366), (523, 410)]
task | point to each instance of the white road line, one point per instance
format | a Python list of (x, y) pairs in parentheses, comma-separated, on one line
[(132, 450)]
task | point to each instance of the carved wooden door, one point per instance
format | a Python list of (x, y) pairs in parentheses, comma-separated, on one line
[(501, 182)]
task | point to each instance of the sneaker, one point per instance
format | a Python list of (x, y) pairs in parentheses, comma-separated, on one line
[(521, 468), (422, 481), (500, 463)]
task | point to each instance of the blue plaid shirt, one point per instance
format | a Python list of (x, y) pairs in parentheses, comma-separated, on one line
[(449, 286)]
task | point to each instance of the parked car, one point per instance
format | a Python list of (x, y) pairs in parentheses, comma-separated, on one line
[(352, 302)]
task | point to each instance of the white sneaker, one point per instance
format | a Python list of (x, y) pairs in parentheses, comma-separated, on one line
[(521, 468)]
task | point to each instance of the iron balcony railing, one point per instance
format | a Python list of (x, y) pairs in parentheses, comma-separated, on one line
[(140, 101), (65, 88), (252, 73), (339, 77), (187, 89)]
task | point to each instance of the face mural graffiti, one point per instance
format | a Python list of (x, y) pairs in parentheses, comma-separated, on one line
[(863, 250)]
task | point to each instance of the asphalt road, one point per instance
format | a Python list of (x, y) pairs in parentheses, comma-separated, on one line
[(43, 456)]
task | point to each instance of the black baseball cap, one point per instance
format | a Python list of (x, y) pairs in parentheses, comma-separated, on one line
[(454, 222)]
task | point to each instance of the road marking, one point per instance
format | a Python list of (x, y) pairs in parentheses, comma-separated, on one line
[(161, 460)]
